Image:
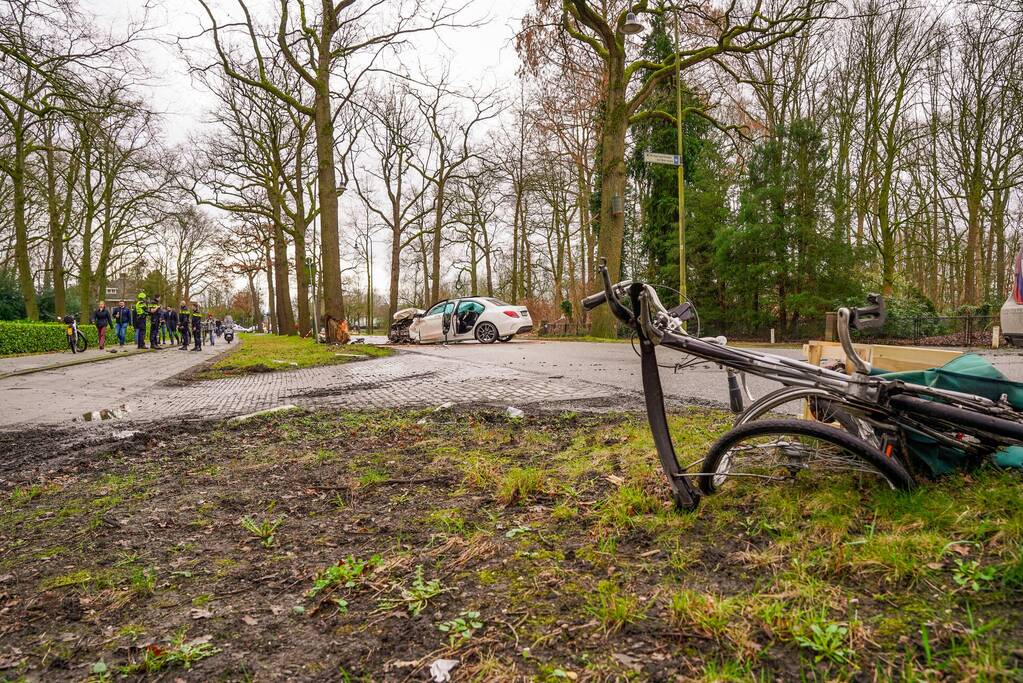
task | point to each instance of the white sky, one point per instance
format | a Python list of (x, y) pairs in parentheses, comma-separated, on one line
[(483, 56)]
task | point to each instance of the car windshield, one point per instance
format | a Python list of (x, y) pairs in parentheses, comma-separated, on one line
[(438, 308), (498, 302)]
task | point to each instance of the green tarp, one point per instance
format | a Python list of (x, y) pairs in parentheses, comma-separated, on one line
[(970, 374)]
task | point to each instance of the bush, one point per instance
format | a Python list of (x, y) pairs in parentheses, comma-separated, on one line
[(12, 304), (23, 336)]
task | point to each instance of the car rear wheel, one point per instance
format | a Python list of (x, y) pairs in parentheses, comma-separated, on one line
[(486, 333), (507, 338)]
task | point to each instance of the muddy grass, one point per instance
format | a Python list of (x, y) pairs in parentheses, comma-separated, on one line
[(262, 353), (365, 546)]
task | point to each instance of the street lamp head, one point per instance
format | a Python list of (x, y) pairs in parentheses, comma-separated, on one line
[(632, 25)]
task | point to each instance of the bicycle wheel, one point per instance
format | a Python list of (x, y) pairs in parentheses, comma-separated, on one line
[(83, 343), (71, 343), (808, 403), (779, 450)]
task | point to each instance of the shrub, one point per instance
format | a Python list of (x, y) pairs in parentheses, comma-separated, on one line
[(24, 336)]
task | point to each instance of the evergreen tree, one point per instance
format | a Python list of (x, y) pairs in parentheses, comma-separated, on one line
[(657, 186), (784, 260)]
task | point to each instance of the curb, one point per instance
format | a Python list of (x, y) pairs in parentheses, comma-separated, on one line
[(70, 363)]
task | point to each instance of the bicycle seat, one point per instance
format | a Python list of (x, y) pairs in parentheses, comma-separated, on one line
[(868, 317)]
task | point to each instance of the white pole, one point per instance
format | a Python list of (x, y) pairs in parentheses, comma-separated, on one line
[(772, 335)]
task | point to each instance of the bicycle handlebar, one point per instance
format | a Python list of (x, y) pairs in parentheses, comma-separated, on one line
[(594, 300)]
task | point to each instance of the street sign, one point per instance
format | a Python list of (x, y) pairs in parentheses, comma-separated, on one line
[(656, 158)]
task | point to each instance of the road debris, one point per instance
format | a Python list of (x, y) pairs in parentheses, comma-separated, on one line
[(440, 670)]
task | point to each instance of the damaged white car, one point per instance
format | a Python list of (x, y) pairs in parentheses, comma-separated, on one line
[(484, 319)]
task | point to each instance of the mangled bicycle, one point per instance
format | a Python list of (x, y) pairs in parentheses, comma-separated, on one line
[(821, 420)]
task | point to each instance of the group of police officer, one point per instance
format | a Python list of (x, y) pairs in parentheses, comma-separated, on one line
[(187, 319)]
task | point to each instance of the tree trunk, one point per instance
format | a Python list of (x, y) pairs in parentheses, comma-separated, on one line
[(326, 182), (285, 316), (392, 298), (270, 285), (85, 267), (253, 296), (28, 291), (1001, 276), (612, 186), (438, 225), (972, 247), (56, 229), (301, 270)]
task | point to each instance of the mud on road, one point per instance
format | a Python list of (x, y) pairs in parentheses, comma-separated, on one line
[(333, 544)]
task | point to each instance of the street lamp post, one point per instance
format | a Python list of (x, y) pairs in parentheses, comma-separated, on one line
[(680, 170), (632, 27)]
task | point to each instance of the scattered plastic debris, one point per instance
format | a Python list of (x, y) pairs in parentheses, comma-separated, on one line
[(440, 670), (513, 412), (444, 406), (106, 413)]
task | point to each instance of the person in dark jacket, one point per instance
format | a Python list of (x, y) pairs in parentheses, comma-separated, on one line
[(196, 326), (184, 322), (172, 324), (122, 317), (163, 325), (154, 323), (101, 316), (138, 319)]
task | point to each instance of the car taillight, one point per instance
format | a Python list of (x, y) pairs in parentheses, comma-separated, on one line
[(511, 314)]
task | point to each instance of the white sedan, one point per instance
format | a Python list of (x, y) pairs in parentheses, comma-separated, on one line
[(481, 318)]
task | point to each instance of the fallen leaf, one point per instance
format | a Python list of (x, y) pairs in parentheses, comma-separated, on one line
[(959, 549), (251, 621), (197, 613)]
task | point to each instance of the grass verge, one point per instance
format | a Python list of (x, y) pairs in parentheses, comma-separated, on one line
[(257, 353), (363, 546)]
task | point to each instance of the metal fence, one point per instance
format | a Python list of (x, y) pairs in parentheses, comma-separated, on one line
[(959, 330), (938, 330)]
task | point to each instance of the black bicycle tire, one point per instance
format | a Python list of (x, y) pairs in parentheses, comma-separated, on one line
[(891, 469), (84, 346)]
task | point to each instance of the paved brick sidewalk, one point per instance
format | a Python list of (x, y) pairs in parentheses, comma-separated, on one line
[(61, 395), (42, 360), (403, 380)]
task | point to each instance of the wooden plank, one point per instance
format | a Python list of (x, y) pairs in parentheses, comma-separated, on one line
[(883, 356)]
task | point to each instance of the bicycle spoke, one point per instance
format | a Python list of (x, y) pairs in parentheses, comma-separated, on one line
[(791, 454)]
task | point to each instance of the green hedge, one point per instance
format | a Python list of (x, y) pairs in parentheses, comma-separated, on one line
[(30, 337)]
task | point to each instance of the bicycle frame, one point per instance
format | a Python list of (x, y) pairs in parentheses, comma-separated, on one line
[(891, 404)]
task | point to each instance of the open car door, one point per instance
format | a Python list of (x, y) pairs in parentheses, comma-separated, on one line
[(431, 327)]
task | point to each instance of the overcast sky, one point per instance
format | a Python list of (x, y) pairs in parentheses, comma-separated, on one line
[(483, 56)]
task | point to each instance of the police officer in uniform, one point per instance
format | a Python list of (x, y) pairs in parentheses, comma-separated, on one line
[(196, 326), (184, 322), (138, 320)]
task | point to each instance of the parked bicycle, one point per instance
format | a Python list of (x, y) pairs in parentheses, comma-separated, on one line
[(75, 338), (860, 422)]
